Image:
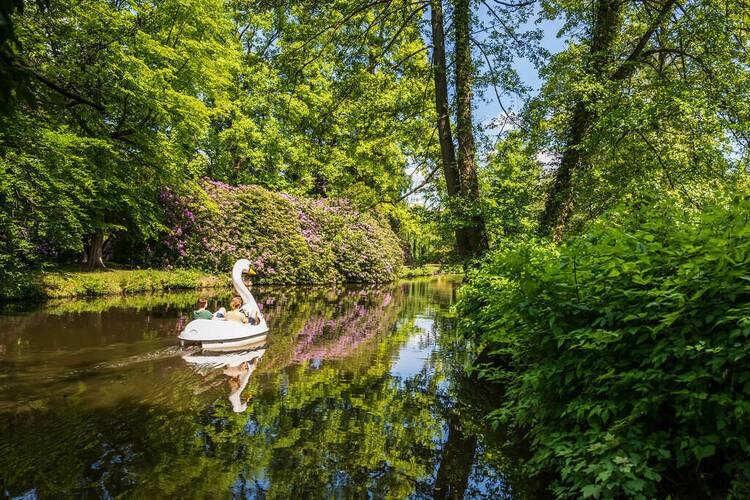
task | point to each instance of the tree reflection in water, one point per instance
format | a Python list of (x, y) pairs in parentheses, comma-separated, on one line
[(321, 414)]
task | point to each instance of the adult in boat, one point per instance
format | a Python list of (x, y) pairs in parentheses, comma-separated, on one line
[(235, 314), (202, 312)]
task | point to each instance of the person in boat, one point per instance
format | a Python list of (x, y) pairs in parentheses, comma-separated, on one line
[(235, 314), (202, 312), (220, 313)]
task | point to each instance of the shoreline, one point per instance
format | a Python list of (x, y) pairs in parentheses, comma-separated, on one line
[(60, 284)]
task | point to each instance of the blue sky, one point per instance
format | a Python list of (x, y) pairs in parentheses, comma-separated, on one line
[(486, 111)]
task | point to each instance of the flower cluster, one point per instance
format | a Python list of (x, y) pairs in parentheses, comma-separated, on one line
[(287, 239)]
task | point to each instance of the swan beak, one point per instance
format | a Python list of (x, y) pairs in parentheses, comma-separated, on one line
[(251, 272)]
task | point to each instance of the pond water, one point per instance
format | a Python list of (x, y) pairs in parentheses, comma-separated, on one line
[(357, 391)]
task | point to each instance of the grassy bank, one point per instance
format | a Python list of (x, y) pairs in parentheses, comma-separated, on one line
[(72, 283), (428, 270), (58, 284)]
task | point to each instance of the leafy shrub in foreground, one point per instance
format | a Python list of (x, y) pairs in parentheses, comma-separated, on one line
[(625, 352), (287, 239)]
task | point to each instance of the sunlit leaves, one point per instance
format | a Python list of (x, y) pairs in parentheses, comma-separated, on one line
[(621, 351)]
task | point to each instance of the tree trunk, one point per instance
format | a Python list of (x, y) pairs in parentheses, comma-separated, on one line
[(445, 137), (559, 205), (94, 258), (467, 167), (456, 462)]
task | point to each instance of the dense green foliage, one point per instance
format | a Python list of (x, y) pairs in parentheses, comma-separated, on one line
[(643, 98), (287, 239), (620, 346), (130, 98), (624, 352), (512, 184)]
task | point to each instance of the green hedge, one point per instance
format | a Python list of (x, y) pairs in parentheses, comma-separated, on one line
[(625, 352), (287, 239)]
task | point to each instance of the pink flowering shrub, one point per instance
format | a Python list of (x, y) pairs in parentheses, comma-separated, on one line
[(287, 239)]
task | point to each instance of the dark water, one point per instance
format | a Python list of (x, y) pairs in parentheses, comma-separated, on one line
[(357, 392)]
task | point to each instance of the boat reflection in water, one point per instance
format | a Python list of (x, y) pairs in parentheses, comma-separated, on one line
[(237, 365)]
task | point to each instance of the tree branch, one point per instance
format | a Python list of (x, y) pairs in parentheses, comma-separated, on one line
[(494, 87), (521, 4), (61, 90), (424, 182), (627, 66)]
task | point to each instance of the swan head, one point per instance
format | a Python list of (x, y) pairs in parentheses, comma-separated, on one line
[(243, 266)]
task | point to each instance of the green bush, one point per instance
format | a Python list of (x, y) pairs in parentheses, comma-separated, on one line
[(625, 352), (287, 239)]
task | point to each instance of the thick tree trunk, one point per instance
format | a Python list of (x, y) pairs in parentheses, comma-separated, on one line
[(94, 258), (467, 168), (559, 205), (445, 137), (558, 208)]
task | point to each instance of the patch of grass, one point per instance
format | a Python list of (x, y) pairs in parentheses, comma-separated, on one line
[(428, 270), (59, 284)]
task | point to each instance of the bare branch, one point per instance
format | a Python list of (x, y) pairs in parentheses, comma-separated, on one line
[(494, 87), (514, 5), (507, 29)]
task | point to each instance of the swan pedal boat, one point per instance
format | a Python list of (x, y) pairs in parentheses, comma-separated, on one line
[(211, 333)]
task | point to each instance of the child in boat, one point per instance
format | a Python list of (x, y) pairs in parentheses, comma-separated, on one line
[(235, 314), (202, 312)]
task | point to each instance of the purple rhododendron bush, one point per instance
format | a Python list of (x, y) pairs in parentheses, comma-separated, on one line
[(287, 239)]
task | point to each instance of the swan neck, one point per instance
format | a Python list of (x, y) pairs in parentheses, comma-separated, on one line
[(240, 287), (248, 302)]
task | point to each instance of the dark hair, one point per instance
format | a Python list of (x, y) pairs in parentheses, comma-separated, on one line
[(202, 303)]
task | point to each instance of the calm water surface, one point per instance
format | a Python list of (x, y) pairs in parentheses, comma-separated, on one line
[(357, 392)]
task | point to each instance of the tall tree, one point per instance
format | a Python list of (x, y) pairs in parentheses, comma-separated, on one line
[(459, 171), (471, 216), (121, 94), (331, 99), (442, 106), (607, 70), (606, 26)]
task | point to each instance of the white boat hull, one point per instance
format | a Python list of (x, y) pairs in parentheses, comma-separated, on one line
[(217, 333)]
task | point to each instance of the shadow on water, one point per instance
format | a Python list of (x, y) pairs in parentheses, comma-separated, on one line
[(358, 392)]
